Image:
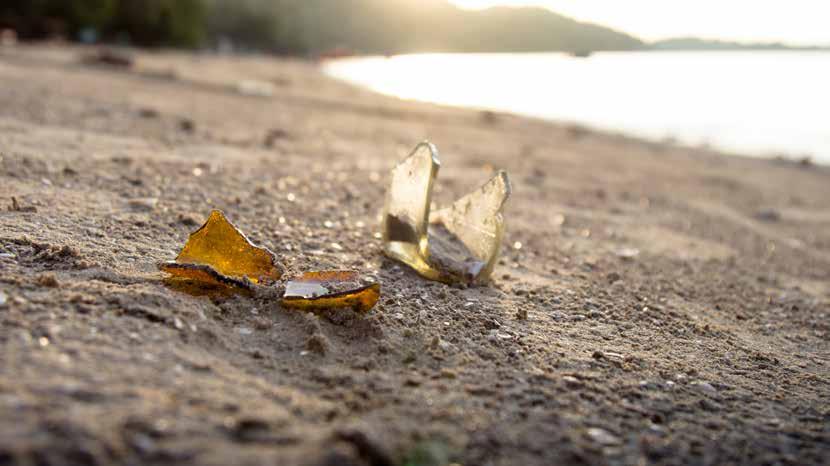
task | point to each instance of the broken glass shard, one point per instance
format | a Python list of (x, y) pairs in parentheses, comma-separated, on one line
[(218, 253), (329, 290), (457, 244)]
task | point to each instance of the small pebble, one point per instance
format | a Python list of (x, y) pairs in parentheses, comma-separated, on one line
[(48, 280), (603, 437), (448, 374), (187, 125), (628, 253), (148, 113), (557, 316), (704, 387), (189, 219), (144, 203), (3, 299), (768, 215), (318, 343), (436, 343)]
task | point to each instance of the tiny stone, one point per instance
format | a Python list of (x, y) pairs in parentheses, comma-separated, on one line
[(705, 387), (3, 299), (603, 437), (188, 219), (435, 343), (768, 215), (48, 280), (628, 253), (144, 203), (187, 125), (448, 374), (557, 316), (318, 343), (148, 113)]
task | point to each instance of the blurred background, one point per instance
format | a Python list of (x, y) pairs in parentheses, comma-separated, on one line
[(743, 77)]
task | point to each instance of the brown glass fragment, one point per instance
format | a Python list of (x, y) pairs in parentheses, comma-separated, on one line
[(219, 253), (203, 274), (331, 289)]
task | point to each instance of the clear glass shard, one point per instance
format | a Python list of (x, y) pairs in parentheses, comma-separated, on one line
[(457, 244), (465, 238), (406, 214)]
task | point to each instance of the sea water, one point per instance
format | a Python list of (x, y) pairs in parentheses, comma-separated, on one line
[(763, 103)]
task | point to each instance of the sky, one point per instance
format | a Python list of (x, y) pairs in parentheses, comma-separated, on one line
[(797, 22)]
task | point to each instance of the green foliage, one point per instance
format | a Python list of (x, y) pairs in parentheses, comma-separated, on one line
[(145, 22), (161, 22)]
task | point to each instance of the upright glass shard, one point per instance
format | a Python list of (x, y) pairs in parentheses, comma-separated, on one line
[(330, 289), (406, 213), (219, 253), (457, 244), (474, 222)]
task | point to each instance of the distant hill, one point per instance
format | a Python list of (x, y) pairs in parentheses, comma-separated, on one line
[(401, 26), (694, 43)]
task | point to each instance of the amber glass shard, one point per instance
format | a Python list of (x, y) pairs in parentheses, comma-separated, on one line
[(458, 244), (202, 274), (219, 253), (329, 290)]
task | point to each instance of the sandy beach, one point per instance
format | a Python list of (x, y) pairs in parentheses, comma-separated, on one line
[(653, 304)]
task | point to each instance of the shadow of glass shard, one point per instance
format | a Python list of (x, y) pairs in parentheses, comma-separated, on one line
[(218, 253), (330, 290), (457, 244)]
